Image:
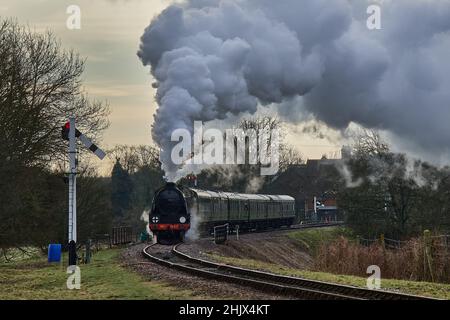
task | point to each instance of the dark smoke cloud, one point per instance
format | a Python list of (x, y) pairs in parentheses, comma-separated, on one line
[(215, 58)]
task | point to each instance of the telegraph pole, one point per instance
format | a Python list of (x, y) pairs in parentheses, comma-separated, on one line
[(72, 193), (70, 132)]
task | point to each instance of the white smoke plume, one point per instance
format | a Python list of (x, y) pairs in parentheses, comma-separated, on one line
[(214, 58), (401, 166), (145, 216), (346, 174), (194, 231), (254, 184)]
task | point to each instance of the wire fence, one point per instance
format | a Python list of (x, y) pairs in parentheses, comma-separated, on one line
[(438, 241), (118, 236), (122, 235), (423, 258)]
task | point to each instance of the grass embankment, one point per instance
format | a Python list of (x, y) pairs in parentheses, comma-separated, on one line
[(435, 290), (311, 240), (104, 278)]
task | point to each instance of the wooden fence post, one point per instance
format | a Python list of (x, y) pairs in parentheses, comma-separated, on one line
[(428, 257), (382, 241)]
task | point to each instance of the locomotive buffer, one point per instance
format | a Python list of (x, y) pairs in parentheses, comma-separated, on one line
[(71, 133)]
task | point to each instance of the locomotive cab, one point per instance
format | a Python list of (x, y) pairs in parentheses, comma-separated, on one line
[(169, 217)]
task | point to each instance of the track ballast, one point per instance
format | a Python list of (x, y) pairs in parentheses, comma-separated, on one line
[(288, 286)]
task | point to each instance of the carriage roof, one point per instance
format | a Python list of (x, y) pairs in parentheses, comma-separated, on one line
[(239, 196)]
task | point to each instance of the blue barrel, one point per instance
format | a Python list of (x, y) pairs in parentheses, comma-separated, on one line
[(54, 252)]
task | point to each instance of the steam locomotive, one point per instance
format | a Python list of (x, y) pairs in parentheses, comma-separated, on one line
[(169, 214), (174, 208)]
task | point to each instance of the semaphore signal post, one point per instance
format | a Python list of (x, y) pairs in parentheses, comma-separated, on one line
[(71, 133)]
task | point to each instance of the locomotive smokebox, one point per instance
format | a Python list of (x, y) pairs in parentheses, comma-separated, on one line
[(169, 217)]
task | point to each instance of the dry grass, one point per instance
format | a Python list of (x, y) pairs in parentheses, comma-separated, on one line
[(435, 290), (409, 263)]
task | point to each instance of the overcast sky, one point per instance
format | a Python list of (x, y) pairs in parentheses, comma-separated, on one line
[(109, 39)]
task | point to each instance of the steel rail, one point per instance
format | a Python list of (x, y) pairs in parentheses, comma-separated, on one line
[(267, 286), (347, 291)]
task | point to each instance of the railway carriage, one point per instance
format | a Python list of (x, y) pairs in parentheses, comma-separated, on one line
[(173, 209)]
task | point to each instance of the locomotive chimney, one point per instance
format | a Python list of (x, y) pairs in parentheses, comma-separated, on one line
[(171, 185)]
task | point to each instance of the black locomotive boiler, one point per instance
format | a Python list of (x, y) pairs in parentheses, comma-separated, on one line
[(169, 216)]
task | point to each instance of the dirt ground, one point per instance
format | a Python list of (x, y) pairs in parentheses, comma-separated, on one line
[(269, 247)]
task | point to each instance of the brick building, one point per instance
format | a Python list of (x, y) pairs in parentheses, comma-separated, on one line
[(316, 179)]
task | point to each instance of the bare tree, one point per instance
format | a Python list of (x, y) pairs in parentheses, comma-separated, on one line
[(133, 158), (289, 156), (368, 143), (40, 87), (263, 125)]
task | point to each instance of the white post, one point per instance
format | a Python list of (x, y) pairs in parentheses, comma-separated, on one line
[(315, 204), (72, 183)]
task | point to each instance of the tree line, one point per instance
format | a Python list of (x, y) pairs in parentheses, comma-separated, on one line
[(390, 193), (40, 86)]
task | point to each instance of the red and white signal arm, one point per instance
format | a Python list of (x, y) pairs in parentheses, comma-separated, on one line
[(85, 140)]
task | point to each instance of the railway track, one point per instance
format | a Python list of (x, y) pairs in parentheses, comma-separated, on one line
[(303, 226), (288, 286), (284, 229)]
